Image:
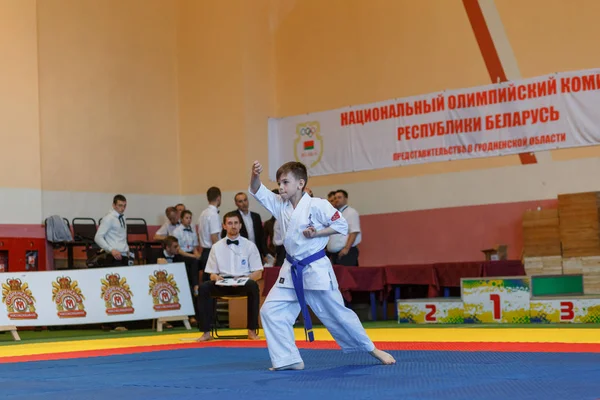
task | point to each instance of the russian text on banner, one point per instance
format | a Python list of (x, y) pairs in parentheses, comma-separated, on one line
[(542, 113)]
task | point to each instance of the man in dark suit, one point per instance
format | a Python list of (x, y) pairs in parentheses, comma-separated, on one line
[(252, 220)]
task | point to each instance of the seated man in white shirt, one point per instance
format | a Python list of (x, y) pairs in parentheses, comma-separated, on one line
[(232, 256), (112, 235), (169, 227)]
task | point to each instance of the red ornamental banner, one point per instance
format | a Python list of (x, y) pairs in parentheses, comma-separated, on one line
[(543, 113)]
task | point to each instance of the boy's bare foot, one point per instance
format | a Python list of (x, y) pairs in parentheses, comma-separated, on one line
[(252, 335), (204, 338), (297, 366), (384, 357)]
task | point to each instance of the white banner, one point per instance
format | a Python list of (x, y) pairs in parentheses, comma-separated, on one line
[(542, 113), (88, 296)]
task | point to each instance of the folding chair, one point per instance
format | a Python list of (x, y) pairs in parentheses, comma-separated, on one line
[(84, 231), (138, 237), (61, 246), (137, 228), (215, 324)]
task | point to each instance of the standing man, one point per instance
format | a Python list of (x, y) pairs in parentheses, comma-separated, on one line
[(252, 226), (331, 197), (209, 225), (342, 248), (112, 235)]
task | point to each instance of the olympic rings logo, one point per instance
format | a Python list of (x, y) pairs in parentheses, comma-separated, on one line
[(307, 131)]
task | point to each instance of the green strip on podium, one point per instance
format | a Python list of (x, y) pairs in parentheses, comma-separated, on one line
[(555, 285)]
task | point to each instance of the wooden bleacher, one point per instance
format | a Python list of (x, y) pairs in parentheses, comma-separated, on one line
[(565, 240)]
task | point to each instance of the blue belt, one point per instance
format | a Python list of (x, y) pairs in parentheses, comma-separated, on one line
[(297, 269)]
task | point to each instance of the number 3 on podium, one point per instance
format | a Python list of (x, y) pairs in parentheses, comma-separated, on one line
[(497, 309), (566, 311)]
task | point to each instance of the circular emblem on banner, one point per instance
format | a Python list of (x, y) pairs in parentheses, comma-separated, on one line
[(69, 303), (117, 300), (19, 304), (165, 296), (68, 298), (164, 291), (308, 145), (117, 295), (18, 299)]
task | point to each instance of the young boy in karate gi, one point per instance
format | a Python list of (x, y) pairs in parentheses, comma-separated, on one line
[(306, 277)]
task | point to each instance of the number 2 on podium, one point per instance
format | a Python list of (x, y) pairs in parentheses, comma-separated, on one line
[(497, 310), (430, 317)]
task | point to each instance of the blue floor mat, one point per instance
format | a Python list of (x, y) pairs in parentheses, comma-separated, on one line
[(233, 373)]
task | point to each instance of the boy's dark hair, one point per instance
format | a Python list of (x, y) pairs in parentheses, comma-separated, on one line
[(169, 240), (332, 193), (295, 168), (118, 197), (232, 214), (185, 212), (213, 193), (342, 191)]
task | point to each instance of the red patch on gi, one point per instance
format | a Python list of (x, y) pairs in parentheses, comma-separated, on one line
[(335, 216)]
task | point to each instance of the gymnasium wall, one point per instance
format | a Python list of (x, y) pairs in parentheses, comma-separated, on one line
[(226, 68), (358, 52), (20, 180), (161, 99), (108, 104)]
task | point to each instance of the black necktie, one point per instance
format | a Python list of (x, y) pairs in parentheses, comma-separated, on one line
[(236, 242), (121, 221), (187, 229)]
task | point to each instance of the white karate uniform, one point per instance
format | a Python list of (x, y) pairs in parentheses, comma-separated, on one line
[(281, 308)]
